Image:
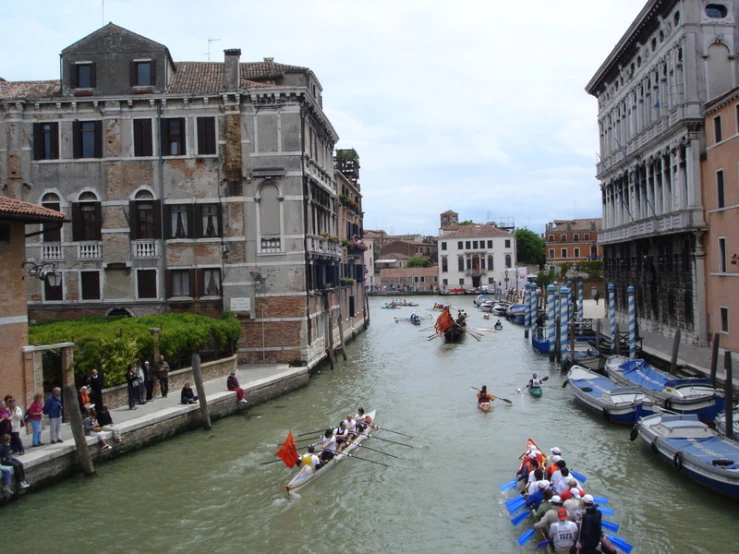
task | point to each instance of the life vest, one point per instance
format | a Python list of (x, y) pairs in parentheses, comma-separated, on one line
[(307, 460), (535, 383), (339, 432), (483, 397)]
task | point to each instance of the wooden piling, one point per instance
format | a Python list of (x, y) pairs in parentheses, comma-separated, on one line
[(558, 342), (72, 409), (714, 358), (675, 350), (597, 335), (197, 376), (341, 324), (729, 395), (616, 346)]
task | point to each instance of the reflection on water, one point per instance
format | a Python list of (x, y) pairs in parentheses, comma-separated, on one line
[(209, 491)]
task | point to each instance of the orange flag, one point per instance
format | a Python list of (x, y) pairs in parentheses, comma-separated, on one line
[(444, 321), (288, 452)]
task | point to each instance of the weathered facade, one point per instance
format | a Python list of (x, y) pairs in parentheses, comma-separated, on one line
[(190, 185), (572, 241), (651, 90)]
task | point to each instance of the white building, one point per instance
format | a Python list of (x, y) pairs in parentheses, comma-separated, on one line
[(475, 255)]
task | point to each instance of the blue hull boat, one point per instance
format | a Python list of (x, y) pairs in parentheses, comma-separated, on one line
[(684, 396), (621, 405), (694, 450)]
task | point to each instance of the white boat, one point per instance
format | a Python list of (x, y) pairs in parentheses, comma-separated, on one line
[(308, 474), (720, 423)]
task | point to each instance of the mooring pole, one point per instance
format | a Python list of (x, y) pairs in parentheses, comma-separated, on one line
[(72, 408), (675, 349), (197, 376), (714, 358), (729, 395)]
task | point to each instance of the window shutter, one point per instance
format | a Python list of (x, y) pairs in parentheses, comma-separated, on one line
[(201, 283), (202, 135), (55, 141), (183, 137), (190, 220), (76, 222), (38, 142), (146, 141), (197, 221), (98, 139), (99, 220), (153, 72), (164, 137), (157, 218), (169, 283), (133, 220), (133, 77), (76, 139), (73, 77), (193, 281), (93, 75)]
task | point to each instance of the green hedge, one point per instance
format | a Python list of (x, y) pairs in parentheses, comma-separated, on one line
[(112, 344)]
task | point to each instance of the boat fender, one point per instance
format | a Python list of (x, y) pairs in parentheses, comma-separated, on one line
[(654, 447), (606, 415), (634, 433), (668, 404), (678, 461), (722, 463), (587, 389)]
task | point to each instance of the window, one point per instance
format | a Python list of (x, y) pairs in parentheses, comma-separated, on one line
[(508, 260), (587, 236), (577, 252), (87, 139), (461, 282), (716, 11), (4, 233), (551, 252), (86, 218), (460, 263), (210, 282), (717, 135), (444, 264), (443, 245), (179, 221), (724, 319), (179, 283), (490, 244), (46, 141), (54, 294), (576, 237), (143, 145), (146, 281), (490, 263), (143, 73), (52, 231), (469, 263), (507, 243), (563, 238), (352, 307), (83, 75), (172, 132), (90, 285), (491, 280), (564, 253), (551, 238), (445, 282), (145, 216), (468, 245), (720, 201), (208, 220), (474, 244), (722, 255), (206, 135)]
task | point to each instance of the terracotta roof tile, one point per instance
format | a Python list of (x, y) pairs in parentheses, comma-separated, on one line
[(575, 225), (471, 231), (29, 89), (18, 209)]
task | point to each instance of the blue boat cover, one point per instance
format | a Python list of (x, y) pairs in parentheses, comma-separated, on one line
[(707, 449), (600, 386), (642, 374)]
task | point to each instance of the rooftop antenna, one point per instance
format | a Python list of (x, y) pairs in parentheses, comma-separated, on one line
[(209, 41), (102, 18)]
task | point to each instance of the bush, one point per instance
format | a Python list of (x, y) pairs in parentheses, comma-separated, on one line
[(112, 344)]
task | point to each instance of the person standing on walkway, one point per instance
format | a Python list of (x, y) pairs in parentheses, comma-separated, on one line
[(35, 414), (96, 385), (5, 419), (151, 377), (232, 384), (53, 408), (163, 376), (139, 386), (132, 382), (16, 420), (596, 297)]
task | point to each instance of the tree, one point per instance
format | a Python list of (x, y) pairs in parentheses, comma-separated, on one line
[(467, 222), (530, 247), (418, 261)]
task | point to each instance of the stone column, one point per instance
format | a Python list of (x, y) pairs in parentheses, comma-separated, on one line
[(699, 290)]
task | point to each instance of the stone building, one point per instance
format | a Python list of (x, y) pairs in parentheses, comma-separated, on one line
[(651, 92), (426, 249), (720, 174), (196, 186), (572, 241), (15, 275), (410, 279)]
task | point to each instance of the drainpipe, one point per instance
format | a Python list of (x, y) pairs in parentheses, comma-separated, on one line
[(305, 223), (160, 183)]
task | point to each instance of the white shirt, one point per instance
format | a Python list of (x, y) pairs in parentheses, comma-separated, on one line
[(557, 479), (563, 485), (533, 485), (16, 416), (351, 425), (329, 444), (553, 459), (564, 535)]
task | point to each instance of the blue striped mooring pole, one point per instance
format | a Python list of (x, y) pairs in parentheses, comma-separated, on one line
[(564, 324), (612, 315), (550, 319), (631, 293), (581, 300), (527, 312)]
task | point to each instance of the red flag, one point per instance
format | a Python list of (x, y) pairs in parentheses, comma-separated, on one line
[(444, 321), (288, 452)]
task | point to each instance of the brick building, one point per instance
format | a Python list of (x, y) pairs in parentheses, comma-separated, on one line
[(410, 279), (197, 186), (572, 241)]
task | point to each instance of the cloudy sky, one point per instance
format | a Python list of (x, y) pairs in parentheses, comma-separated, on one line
[(472, 105)]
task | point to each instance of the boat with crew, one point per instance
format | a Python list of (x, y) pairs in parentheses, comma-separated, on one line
[(693, 449), (405, 303), (308, 474), (617, 404), (485, 406), (456, 332), (390, 307), (685, 396), (720, 423)]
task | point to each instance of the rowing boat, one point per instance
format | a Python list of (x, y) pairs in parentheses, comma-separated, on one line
[(308, 474), (485, 406), (535, 391)]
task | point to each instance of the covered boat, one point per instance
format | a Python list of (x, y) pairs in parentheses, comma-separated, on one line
[(623, 405), (516, 313), (308, 474), (693, 449), (686, 396), (720, 422)]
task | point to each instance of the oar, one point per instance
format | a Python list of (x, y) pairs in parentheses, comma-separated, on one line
[(520, 517), (391, 431), (388, 440), (579, 476), (313, 432), (606, 511), (496, 397), (602, 500), (542, 544), (610, 525), (567, 382), (366, 460), (523, 539), (513, 508), (516, 500), (620, 543), (508, 486), (380, 451), (282, 443)]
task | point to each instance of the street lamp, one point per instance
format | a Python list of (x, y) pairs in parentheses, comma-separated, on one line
[(45, 271)]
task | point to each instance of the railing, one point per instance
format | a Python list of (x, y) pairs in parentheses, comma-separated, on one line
[(682, 220), (270, 245), (51, 252), (146, 248), (321, 245), (475, 272), (89, 251)]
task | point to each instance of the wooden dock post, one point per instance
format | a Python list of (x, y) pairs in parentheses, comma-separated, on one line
[(597, 335), (197, 376), (72, 408), (729, 395), (675, 350), (714, 358)]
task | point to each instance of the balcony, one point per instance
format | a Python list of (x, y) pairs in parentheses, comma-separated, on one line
[(675, 222), (89, 251), (475, 272), (148, 248), (51, 252), (322, 247), (270, 245)]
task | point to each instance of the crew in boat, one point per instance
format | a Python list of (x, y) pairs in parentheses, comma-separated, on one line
[(484, 396), (498, 324), (328, 444), (534, 383), (310, 459), (351, 426), (342, 436), (362, 421)]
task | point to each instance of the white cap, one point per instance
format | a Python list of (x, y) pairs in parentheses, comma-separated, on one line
[(555, 458), (587, 499), (555, 450), (576, 494), (544, 484), (556, 500)]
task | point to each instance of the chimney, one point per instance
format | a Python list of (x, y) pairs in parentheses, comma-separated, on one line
[(232, 69), (269, 60)]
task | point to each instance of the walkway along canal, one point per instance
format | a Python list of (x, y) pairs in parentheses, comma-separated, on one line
[(208, 490)]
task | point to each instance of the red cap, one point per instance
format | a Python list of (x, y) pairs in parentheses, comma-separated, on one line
[(562, 514)]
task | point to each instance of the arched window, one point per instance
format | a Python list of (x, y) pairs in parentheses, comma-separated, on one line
[(718, 70), (145, 216), (270, 218), (508, 261), (86, 218), (716, 11), (52, 231)]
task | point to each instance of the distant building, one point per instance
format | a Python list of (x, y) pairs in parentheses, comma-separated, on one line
[(572, 241), (427, 250), (720, 174), (392, 261), (410, 279)]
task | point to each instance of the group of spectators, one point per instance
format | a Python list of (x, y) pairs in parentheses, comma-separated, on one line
[(141, 379)]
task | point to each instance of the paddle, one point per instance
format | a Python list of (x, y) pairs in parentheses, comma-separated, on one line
[(610, 525), (509, 485), (620, 543), (380, 451), (606, 511), (523, 539), (496, 397), (579, 476), (567, 382), (388, 440), (520, 517), (543, 544), (391, 431), (602, 500), (513, 508), (516, 500)]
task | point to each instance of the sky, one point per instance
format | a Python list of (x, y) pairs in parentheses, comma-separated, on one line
[(474, 106)]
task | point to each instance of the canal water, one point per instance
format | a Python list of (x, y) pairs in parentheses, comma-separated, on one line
[(208, 492)]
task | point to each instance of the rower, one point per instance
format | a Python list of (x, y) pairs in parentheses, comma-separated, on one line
[(351, 426), (328, 443), (484, 396), (555, 457), (534, 478), (573, 486), (561, 481), (534, 383), (591, 531), (563, 533), (342, 437), (310, 459), (572, 505), (362, 420), (551, 516)]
